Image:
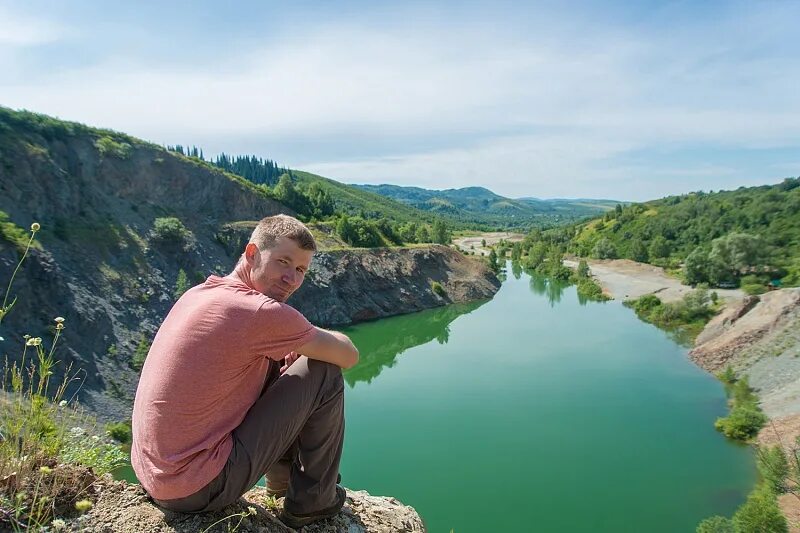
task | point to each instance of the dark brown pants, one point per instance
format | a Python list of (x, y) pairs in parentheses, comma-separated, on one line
[(297, 424)]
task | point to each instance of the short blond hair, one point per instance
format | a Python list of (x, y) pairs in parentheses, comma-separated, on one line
[(270, 228)]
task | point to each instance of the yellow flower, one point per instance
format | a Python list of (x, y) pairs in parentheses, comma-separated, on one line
[(83, 505), (45, 469), (251, 509), (35, 226), (59, 326), (33, 341)]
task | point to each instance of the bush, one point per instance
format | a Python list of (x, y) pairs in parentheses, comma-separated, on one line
[(743, 423), (773, 466), (170, 230), (715, 524), (140, 354), (109, 147), (727, 376), (437, 289), (753, 289), (120, 431), (589, 289), (181, 284), (760, 513)]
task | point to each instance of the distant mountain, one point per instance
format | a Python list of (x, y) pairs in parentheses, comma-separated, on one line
[(482, 207)]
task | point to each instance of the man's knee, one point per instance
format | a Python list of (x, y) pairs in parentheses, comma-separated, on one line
[(331, 374)]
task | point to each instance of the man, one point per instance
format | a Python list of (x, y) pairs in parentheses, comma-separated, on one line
[(224, 396)]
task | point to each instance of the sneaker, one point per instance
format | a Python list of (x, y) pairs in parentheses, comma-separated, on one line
[(277, 487), (299, 520)]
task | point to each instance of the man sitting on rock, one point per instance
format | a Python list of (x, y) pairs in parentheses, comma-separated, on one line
[(225, 396)]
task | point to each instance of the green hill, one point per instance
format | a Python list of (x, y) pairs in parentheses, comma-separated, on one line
[(750, 235), (480, 208)]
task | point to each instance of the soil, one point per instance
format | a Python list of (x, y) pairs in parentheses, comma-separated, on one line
[(473, 242)]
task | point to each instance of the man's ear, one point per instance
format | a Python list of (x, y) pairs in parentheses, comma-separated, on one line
[(250, 252)]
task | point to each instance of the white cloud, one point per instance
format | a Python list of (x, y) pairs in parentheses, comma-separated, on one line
[(567, 102), (22, 30)]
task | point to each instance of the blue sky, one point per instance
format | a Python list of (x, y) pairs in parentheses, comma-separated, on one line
[(620, 100)]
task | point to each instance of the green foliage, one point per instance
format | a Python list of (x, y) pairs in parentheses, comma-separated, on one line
[(170, 230), (181, 284), (358, 232), (14, 234), (745, 419), (437, 289), (440, 232), (589, 289), (731, 233), (494, 265), (685, 317), (140, 353), (727, 376), (583, 271), (760, 513), (715, 524), (107, 146), (120, 431), (604, 249), (774, 467), (81, 448)]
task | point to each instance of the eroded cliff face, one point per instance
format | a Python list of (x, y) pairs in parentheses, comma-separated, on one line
[(101, 268), (349, 286)]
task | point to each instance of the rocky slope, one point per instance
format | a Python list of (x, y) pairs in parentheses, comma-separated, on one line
[(759, 337), (102, 265), (125, 508)]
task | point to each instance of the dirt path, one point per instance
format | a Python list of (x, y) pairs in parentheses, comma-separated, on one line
[(474, 242), (624, 279)]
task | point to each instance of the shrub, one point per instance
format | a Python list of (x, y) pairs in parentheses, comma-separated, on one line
[(589, 289), (715, 524), (109, 147), (170, 230), (727, 376), (437, 289), (181, 284), (743, 422), (760, 513), (774, 467), (753, 289), (120, 431), (140, 354)]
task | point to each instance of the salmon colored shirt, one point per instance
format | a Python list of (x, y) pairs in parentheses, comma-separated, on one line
[(205, 369)]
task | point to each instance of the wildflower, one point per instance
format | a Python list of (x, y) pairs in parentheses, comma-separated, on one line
[(83, 505), (21, 496), (33, 341), (45, 469), (58, 525), (58, 319), (59, 326), (1, 339), (26, 336), (62, 403), (95, 437), (251, 509), (36, 226)]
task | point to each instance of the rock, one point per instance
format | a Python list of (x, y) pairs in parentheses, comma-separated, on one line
[(126, 508)]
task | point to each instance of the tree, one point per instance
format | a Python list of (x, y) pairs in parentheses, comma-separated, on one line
[(583, 269), (493, 264), (604, 249), (659, 247), (760, 513), (422, 234), (695, 268), (638, 251), (516, 251), (440, 233)]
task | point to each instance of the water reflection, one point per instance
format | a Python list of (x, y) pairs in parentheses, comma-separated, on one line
[(516, 269), (379, 343), (553, 289)]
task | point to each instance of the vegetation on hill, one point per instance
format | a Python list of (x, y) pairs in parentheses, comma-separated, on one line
[(748, 237), (480, 208)]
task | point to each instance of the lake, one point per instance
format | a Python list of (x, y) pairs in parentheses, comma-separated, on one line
[(537, 411)]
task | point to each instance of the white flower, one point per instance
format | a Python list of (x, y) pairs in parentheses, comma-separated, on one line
[(58, 319), (95, 437), (36, 226), (59, 525), (62, 403)]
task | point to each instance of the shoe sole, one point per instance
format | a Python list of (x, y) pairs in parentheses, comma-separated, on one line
[(298, 521)]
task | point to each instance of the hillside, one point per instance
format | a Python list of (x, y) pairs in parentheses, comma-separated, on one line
[(128, 225), (481, 208), (750, 235)]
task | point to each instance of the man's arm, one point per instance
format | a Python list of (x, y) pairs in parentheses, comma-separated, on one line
[(331, 347)]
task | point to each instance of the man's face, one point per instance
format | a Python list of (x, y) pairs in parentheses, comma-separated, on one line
[(279, 271)]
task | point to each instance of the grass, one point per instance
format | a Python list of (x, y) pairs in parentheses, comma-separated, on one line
[(45, 435)]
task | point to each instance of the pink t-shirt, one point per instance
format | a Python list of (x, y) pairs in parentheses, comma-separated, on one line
[(205, 369)]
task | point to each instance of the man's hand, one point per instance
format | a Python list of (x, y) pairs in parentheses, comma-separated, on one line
[(290, 358)]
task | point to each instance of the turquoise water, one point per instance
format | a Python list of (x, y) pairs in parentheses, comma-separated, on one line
[(538, 412)]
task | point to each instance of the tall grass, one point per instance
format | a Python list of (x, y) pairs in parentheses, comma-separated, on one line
[(49, 457)]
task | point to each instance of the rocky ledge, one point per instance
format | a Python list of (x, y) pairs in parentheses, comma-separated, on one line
[(347, 286), (125, 508)]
